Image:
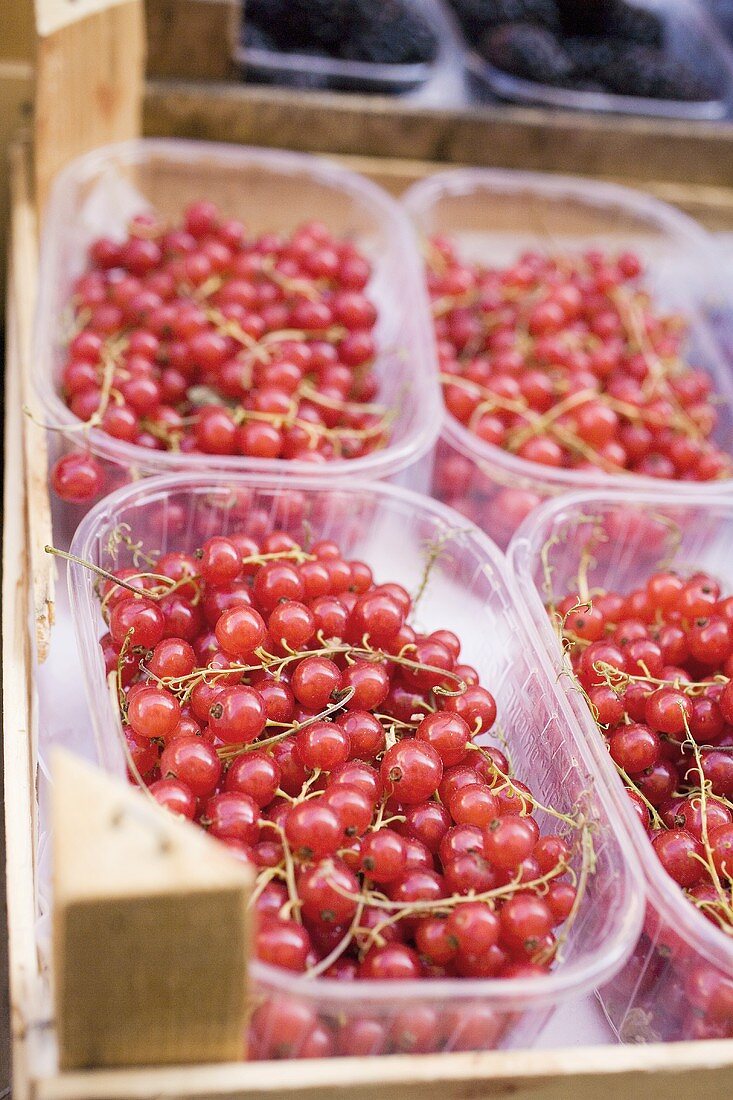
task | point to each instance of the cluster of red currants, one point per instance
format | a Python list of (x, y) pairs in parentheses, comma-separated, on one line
[(202, 338), (280, 698), (657, 667), (564, 361)]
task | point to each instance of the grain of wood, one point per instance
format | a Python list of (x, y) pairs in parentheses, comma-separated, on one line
[(16, 105), (150, 929), (497, 136), (24, 274), (192, 39), (89, 79), (600, 1073), (18, 37), (17, 703)]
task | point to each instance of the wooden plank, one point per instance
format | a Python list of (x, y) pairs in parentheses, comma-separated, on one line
[(602, 1073), (89, 79), (16, 105), (150, 929), (17, 40), (192, 39), (498, 135), (18, 709), (25, 281)]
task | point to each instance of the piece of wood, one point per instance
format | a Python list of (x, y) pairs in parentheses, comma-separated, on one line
[(89, 80), (18, 707), (24, 274), (192, 39), (150, 929), (572, 142), (599, 1073), (17, 39), (16, 107)]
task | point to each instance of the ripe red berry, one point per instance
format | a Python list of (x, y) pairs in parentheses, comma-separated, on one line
[(315, 681), (313, 830), (508, 840), (324, 890), (237, 715), (448, 734), (393, 962), (383, 855), (194, 762), (322, 745), (232, 814), (256, 774), (239, 631), (77, 478), (411, 770), (153, 712), (137, 620)]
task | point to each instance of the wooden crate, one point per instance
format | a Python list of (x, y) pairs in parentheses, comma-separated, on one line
[(599, 1073)]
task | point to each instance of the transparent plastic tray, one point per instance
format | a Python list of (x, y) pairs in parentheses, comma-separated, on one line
[(268, 190), (495, 215), (682, 961), (305, 70), (469, 591), (689, 36)]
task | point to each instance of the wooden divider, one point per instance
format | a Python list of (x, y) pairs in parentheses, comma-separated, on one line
[(150, 929)]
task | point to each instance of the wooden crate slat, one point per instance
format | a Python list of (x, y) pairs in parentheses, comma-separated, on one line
[(598, 1073), (17, 700), (497, 135), (24, 276)]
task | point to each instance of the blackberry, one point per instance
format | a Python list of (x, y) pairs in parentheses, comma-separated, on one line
[(634, 24), (478, 16), (301, 26), (590, 55), (586, 17), (643, 71), (387, 33), (262, 11), (527, 51)]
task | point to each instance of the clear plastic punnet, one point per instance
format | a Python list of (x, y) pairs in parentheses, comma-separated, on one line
[(679, 980), (494, 216), (468, 590), (269, 191), (690, 36)]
